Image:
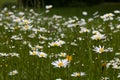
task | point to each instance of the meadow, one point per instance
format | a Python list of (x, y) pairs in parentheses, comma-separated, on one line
[(43, 45)]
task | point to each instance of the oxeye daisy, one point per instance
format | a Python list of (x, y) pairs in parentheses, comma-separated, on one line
[(118, 75), (33, 53), (99, 49), (14, 72), (105, 78), (57, 43), (42, 54), (84, 13), (48, 6), (60, 63), (59, 79), (98, 36), (78, 74), (62, 54)]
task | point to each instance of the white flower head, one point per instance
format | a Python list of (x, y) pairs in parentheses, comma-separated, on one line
[(33, 53), (78, 74), (42, 54), (118, 53), (14, 72), (84, 13), (60, 63), (59, 79), (57, 43), (62, 54), (105, 78), (107, 17), (48, 6), (98, 36), (99, 49), (116, 11), (118, 75)]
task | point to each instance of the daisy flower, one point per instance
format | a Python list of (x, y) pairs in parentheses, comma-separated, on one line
[(118, 75), (105, 78), (84, 13), (107, 17), (62, 54), (48, 6), (42, 54), (33, 53), (57, 43), (98, 36), (78, 74), (60, 63), (59, 79), (99, 49), (14, 72)]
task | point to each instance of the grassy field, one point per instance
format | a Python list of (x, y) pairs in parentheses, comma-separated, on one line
[(103, 8), (4, 2), (82, 44)]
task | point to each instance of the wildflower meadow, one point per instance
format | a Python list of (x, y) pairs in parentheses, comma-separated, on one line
[(34, 46)]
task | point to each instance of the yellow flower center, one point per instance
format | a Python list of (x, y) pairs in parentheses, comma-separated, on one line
[(42, 55), (98, 37), (55, 44), (26, 27), (33, 48), (6, 14), (26, 21), (102, 50), (34, 53), (16, 27), (78, 74), (60, 64), (110, 14)]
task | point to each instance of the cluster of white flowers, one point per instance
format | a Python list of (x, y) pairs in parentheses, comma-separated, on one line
[(35, 47), (16, 37), (115, 63), (98, 36), (107, 17), (61, 41), (84, 30), (9, 54), (39, 54)]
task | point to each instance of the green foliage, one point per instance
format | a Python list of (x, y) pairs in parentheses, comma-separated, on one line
[(8, 4)]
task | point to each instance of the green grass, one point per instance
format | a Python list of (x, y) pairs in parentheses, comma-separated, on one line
[(84, 59), (73, 11), (3, 2)]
